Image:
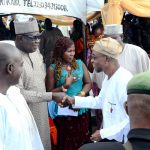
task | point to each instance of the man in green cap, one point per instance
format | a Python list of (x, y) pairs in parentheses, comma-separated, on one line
[(138, 109)]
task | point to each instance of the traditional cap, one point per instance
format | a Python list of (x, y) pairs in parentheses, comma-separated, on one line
[(109, 47), (113, 29), (25, 24), (139, 84)]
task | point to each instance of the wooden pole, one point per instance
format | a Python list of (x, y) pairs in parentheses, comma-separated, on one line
[(84, 42)]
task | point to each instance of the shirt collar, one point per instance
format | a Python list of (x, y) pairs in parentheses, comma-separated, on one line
[(139, 134)]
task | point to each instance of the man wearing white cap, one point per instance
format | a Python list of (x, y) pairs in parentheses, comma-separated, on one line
[(32, 81), (113, 94), (133, 58)]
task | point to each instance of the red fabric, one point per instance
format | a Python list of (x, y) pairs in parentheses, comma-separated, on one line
[(53, 132), (78, 46), (72, 132)]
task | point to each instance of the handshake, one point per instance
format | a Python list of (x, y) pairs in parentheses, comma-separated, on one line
[(62, 99)]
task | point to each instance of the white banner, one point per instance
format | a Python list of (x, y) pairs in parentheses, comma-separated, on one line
[(94, 5), (75, 8)]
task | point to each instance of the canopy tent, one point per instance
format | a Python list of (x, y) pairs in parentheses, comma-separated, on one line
[(112, 12), (94, 5), (60, 11), (65, 20), (93, 8)]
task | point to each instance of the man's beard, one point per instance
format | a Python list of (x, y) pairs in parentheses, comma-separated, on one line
[(98, 70)]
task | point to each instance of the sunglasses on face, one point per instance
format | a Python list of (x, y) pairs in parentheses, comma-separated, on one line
[(96, 57), (33, 38)]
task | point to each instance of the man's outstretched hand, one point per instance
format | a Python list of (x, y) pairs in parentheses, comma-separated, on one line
[(58, 96), (67, 101), (62, 99)]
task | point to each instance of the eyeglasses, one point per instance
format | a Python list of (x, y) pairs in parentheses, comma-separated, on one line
[(33, 38), (95, 57)]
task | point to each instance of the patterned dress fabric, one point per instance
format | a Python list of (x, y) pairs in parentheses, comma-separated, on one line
[(72, 130), (32, 85)]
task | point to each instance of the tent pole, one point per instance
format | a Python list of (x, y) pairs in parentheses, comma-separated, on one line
[(84, 42)]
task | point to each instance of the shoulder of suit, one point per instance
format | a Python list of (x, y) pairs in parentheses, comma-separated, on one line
[(103, 146)]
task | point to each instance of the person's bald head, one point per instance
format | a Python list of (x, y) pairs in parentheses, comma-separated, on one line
[(7, 53), (139, 110), (138, 104), (10, 64)]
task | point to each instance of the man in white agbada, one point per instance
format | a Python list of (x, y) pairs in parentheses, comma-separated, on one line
[(132, 58), (32, 81), (18, 130), (113, 93)]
